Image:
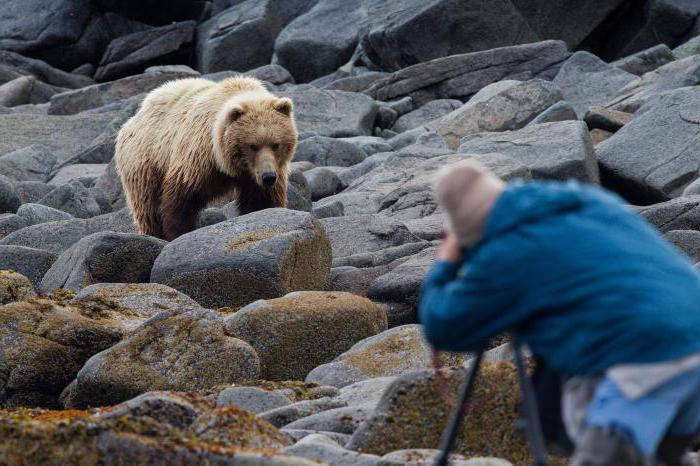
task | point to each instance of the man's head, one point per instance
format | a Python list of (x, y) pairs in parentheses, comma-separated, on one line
[(467, 192)]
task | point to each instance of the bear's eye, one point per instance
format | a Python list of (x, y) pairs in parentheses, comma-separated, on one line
[(275, 146), (254, 147)]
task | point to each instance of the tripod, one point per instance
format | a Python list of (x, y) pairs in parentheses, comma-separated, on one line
[(533, 429)]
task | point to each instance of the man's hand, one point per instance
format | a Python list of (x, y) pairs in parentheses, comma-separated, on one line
[(449, 249)]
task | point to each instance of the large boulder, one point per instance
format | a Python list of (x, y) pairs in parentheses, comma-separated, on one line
[(586, 80), (425, 114), (644, 172), (687, 241), (73, 198), (34, 214), (461, 76), (17, 65), (43, 344), (504, 108), (30, 262), (302, 330), (133, 53), (265, 254), (413, 414), (331, 113), (327, 151), (402, 284), (98, 95), (30, 25), (558, 150), (647, 60), (364, 233), (393, 352), (58, 236), (31, 163), (682, 213), (393, 36), (26, 90), (185, 350), (309, 49), (105, 257)]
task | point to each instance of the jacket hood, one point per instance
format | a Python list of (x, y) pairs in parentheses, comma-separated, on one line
[(530, 202)]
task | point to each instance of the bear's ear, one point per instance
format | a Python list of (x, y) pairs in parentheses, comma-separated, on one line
[(234, 113), (284, 106)]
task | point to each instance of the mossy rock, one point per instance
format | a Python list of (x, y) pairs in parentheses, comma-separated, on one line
[(390, 353), (413, 414), (15, 287), (302, 330)]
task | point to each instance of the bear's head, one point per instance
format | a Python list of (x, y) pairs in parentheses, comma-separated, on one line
[(255, 135)]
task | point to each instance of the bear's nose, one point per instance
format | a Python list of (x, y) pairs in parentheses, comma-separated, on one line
[(269, 178)]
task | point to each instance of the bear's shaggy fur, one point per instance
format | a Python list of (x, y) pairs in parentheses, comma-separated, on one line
[(194, 140)]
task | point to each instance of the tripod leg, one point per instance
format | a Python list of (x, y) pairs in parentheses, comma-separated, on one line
[(450, 434), (534, 428)]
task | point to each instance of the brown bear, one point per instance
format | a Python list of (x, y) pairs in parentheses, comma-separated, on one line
[(194, 140)]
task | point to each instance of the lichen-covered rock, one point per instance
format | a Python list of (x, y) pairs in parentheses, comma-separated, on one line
[(251, 399), (265, 254), (15, 287), (175, 350), (412, 414), (105, 257), (141, 300), (393, 352), (301, 330), (43, 344), (283, 415), (341, 420)]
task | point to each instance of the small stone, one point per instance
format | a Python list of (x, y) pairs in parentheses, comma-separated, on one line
[(251, 399)]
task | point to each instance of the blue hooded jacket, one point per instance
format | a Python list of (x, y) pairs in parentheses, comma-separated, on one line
[(583, 280)]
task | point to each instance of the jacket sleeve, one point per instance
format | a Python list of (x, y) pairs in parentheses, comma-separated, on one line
[(461, 311)]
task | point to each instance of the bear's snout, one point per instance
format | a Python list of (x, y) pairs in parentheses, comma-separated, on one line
[(269, 178)]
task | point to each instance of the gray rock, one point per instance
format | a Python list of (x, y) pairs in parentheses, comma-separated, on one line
[(274, 74), (34, 214), (284, 415), (133, 53), (81, 171), (682, 213), (141, 300), (253, 399), (585, 80), (553, 150), (331, 113), (167, 407), (370, 145), (254, 256), (402, 284), (688, 49), (319, 448), (608, 120), (341, 420), (301, 330), (394, 352), (73, 198), (510, 108), (111, 184), (687, 241), (26, 90), (56, 237), (428, 456), (30, 25), (334, 209), (652, 85), (389, 36), (366, 392), (10, 223), (356, 83), (692, 189), (30, 262), (32, 163), (211, 216), (325, 151), (298, 434), (646, 60), (365, 233), (309, 49), (98, 95), (645, 172), (425, 114), (65, 136), (561, 111), (461, 76), (9, 199), (104, 257), (16, 65), (175, 350), (31, 191), (322, 182)]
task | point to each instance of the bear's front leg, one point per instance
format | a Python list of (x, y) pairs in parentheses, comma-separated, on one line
[(179, 209)]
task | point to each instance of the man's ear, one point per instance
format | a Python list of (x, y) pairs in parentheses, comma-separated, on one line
[(284, 106), (234, 113)]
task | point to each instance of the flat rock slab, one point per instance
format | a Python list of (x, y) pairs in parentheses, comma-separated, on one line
[(560, 150), (265, 254), (461, 76), (647, 172)]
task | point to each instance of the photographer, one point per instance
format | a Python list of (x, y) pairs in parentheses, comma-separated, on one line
[(594, 291)]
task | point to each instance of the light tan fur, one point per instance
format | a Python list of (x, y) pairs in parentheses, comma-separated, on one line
[(193, 140)]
